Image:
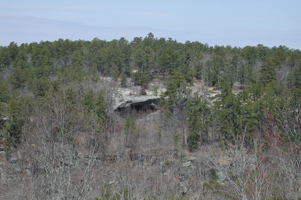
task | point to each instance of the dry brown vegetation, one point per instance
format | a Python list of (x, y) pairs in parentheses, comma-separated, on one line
[(66, 154)]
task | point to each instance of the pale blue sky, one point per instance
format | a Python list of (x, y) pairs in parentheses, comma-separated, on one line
[(216, 22)]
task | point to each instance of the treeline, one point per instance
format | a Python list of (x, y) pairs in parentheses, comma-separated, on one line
[(34, 64)]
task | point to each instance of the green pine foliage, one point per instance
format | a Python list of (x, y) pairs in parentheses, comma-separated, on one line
[(4, 92), (70, 95), (39, 86), (268, 72), (227, 109), (88, 101), (199, 117), (19, 77), (29, 69), (123, 82), (101, 109), (176, 90), (91, 104), (297, 77), (131, 131), (140, 78), (16, 112), (257, 106)]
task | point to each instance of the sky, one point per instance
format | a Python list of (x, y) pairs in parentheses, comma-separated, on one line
[(216, 22)]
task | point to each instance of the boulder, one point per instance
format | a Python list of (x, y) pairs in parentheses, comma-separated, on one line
[(136, 101)]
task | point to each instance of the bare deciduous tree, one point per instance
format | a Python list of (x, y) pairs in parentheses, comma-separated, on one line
[(60, 147)]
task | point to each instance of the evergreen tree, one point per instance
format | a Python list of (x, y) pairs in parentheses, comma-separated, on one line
[(131, 132), (88, 101), (227, 109), (5, 59), (297, 77), (13, 51), (198, 113), (169, 60), (4, 92), (175, 91), (199, 71), (39, 86), (71, 96), (19, 77), (101, 109), (123, 82), (267, 72), (13, 131)]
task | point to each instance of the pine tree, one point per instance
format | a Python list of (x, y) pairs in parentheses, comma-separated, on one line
[(13, 131), (101, 109), (88, 101), (227, 109), (131, 132), (198, 113), (176, 89), (297, 77), (123, 81), (4, 92), (267, 72)]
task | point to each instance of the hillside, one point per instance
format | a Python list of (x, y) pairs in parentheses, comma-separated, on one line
[(149, 119)]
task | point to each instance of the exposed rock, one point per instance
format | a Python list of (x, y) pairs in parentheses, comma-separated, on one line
[(183, 188), (237, 85), (112, 182), (14, 159), (192, 159), (221, 177), (134, 101), (162, 167), (224, 160), (187, 164)]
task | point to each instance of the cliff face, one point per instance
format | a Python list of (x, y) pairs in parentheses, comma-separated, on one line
[(137, 102)]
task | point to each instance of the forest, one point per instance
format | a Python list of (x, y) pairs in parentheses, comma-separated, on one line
[(227, 125)]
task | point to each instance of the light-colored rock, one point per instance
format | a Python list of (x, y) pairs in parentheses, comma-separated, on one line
[(221, 176), (14, 159), (136, 101), (191, 158), (187, 164), (183, 188), (112, 182)]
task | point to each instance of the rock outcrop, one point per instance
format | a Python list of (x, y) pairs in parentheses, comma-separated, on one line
[(137, 102)]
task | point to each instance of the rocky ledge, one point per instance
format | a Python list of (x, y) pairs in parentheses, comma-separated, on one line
[(137, 101)]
